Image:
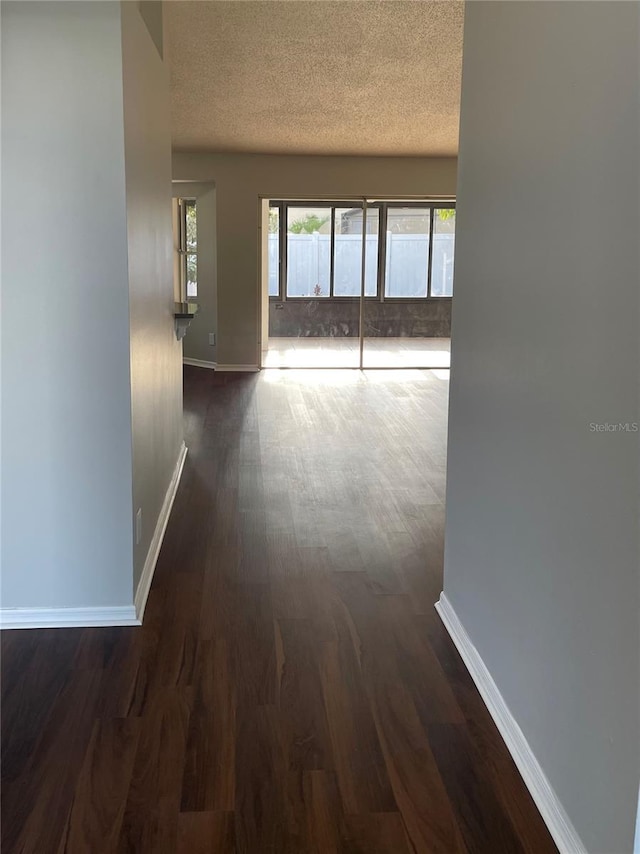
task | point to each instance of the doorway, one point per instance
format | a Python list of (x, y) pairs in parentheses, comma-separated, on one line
[(357, 283)]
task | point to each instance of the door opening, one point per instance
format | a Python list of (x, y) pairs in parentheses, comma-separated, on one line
[(357, 283)]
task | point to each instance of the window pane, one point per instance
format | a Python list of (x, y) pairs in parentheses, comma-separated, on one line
[(274, 252), (347, 269), (308, 251), (407, 259), (444, 238), (192, 235), (192, 276)]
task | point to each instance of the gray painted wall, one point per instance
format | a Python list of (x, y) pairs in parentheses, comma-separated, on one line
[(66, 403), (91, 370), (541, 560), (156, 355), (240, 180)]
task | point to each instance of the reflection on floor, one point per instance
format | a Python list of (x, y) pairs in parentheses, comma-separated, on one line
[(345, 353)]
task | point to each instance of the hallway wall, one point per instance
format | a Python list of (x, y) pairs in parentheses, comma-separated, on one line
[(156, 355), (240, 180), (91, 369), (66, 400), (542, 556)]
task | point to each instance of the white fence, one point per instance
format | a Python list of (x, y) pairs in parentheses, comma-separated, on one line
[(309, 265)]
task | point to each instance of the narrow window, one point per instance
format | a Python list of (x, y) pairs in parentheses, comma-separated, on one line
[(274, 251), (188, 248), (444, 239), (192, 249)]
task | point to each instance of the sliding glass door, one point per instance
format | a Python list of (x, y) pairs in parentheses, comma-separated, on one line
[(360, 284)]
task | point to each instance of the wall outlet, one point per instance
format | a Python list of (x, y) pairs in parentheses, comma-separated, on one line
[(138, 525), (212, 339)]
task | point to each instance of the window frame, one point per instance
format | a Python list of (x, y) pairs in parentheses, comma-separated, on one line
[(438, 207), (382, 207), (420, 206), (183, 249), (350, 204), (279, 206)]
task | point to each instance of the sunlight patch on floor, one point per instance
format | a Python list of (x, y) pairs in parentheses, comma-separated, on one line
[(345, 353)]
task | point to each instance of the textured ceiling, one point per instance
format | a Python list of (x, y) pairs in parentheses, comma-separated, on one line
[(316, 76)]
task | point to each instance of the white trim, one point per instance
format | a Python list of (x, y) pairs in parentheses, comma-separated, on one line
[(45, 618), (560, 827), (144, 585), (242, 368), (199, 363), (215, 366), (120, 615), (636, 843)]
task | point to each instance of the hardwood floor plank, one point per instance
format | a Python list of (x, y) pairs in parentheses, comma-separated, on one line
[(305, 735), (206, 833), (260, 815), (378, 833), (208, 783), (301, 588), (168, 649), (325, 822), (360, 767), (150, 822), (253, 644), (484, 825), (488, 745), (37, 805), (101, 791), (415, 779), (416, 783), (25, 708)]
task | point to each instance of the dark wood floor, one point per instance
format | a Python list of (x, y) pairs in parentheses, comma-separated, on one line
[(292, 689)]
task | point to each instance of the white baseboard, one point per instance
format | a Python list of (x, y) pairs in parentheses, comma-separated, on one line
[(59, 618), (216, 366), (242, 368), (144, 585), (200, 363), (121, 615), (560, 827)]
